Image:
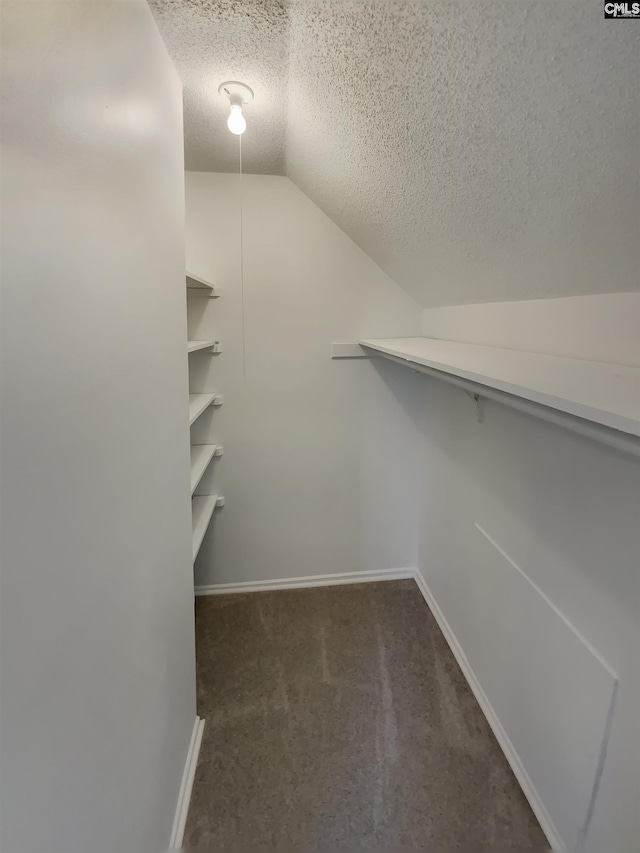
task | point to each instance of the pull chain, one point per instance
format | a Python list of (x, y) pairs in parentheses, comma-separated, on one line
[(244, 353)]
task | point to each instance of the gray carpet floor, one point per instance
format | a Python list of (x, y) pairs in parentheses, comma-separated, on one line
[(338, 717)]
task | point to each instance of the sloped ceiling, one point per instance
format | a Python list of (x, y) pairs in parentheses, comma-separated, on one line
[(477, 150)]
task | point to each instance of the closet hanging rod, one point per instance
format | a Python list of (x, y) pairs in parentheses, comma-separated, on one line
[(596, 432)]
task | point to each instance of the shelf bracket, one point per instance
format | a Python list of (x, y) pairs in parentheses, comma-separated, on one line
[(479, 401), (478, 404)]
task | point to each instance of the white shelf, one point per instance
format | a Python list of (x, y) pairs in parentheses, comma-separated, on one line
[(194, 346), (605, 394), (196, 282), (197, 404), (201, 511), (201, 455)]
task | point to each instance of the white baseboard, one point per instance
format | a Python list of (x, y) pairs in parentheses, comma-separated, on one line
[(501, 736), (308, 581), (510, 753), (186, 786)]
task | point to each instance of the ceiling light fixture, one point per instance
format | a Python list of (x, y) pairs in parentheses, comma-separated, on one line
[(238, 94), (236, 122)]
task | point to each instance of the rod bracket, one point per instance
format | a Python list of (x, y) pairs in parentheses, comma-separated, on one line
[(479, 405)]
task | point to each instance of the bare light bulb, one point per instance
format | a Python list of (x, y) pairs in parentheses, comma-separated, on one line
[(236, 122)]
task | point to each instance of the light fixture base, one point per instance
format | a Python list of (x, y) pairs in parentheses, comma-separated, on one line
[(236, 92)]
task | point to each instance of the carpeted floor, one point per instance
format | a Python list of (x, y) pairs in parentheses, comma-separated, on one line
[(337, 717)]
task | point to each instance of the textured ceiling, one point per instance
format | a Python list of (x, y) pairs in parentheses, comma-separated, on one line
[(476, 150), (211, 41)]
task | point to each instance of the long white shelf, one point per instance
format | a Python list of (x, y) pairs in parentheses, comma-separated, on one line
[(194, 346), (201, 511), (201, 455), (196, 282), (197, 404), (605, 394)]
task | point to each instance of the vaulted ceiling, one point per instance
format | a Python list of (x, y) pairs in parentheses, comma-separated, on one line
[(475, 149)]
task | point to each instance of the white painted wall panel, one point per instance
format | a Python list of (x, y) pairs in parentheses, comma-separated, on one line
[(97, 648), (565, 510), (319, 464), (549, 689), (601, 327)]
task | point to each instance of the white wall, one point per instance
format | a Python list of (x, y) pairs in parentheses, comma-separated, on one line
[(98, 688), (548, 612), (318, 469), (600, 327)]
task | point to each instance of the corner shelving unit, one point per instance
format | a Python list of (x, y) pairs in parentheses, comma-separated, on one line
[(201, 455), (197, 405), (207, 288), (194, 346), (202, 506)]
